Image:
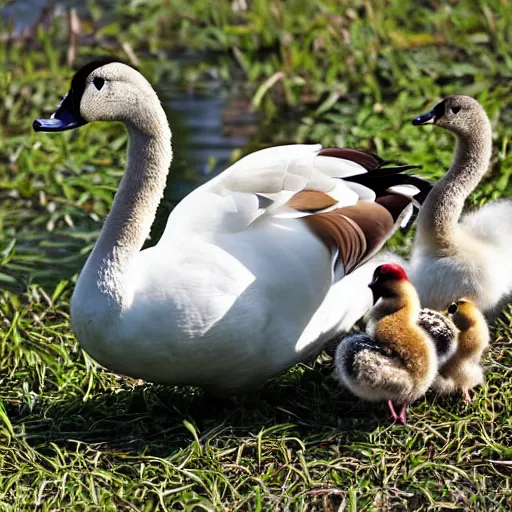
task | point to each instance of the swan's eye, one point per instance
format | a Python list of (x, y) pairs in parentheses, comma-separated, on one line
[(455, 110), (98, 82), (452, 308)]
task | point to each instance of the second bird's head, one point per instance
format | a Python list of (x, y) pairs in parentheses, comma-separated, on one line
[(464, 313), (460, 114)]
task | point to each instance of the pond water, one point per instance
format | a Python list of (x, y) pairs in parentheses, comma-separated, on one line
[(207, 128), (24, 13)]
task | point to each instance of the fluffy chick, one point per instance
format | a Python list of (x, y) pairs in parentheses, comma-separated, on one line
[(395, 360), (463, 370)]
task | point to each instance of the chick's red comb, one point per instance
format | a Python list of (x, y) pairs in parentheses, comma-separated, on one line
[(392, 271)]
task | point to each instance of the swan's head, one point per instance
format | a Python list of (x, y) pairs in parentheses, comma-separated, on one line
[(388, 281), (106, 90), (460, 114)]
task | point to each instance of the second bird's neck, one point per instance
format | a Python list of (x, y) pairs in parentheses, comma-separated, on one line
[(439, 216)]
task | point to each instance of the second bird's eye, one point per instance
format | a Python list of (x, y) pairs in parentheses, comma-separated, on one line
[(455, 110), (98, 82)]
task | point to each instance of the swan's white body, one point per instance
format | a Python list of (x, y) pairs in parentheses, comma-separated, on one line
[(239, 287), (222, 293), (466, 255)]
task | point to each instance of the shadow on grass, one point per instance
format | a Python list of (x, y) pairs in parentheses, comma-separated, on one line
[(151, 419)]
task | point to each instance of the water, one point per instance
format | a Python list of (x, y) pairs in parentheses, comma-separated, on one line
[(207, 128), (24, 13)]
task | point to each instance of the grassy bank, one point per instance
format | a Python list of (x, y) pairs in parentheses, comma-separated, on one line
[(75, 437), (338, 47)]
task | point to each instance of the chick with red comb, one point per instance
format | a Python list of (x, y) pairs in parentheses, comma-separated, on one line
[(395, 360)]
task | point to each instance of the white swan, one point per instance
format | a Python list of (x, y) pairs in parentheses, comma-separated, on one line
[(247, 278), (466, 256)]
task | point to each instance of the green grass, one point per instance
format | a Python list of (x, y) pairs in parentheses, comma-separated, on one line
[(76, 437)]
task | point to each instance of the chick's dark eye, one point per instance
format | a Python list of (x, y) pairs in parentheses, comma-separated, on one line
[(98, 82), (452, 309), (455, 110)]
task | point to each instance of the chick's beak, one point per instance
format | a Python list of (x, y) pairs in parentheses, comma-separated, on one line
[(373, 288)]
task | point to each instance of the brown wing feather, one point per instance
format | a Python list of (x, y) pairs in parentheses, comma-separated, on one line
[(311, 201), (394, 203), (374, 220), (338, 231), (359, 231)]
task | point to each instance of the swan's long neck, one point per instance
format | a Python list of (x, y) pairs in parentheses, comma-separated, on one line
[(438, 220), (127, 226)]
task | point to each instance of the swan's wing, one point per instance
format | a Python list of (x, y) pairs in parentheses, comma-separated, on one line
[(278, 173), (352, 199), (356, 233), (348, 175)]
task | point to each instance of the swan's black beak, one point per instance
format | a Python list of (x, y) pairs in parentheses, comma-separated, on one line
[(66, 117), (430, 117)]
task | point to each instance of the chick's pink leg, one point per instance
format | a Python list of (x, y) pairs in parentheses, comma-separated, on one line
[(402, 417), (394, 415), (467, 397)]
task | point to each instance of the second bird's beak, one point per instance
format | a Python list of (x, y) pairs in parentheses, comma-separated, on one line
[(429, 117)]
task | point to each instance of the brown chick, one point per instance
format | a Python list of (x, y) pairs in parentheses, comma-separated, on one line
[(463, 370), (396, 359)]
